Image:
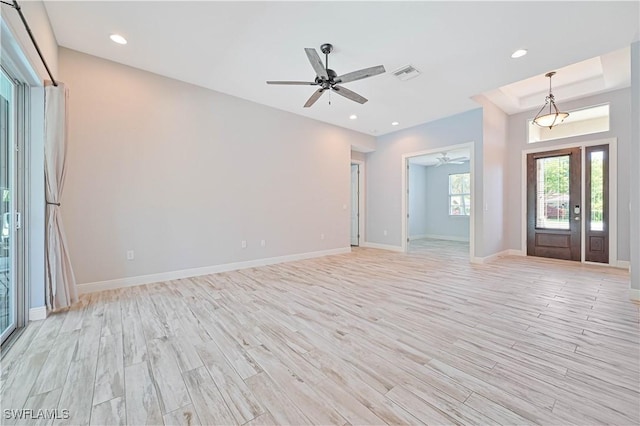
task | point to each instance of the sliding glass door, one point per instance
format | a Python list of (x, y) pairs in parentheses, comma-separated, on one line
[(8, 299)]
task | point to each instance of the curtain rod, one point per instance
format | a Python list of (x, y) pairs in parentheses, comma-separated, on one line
[(16, 6)]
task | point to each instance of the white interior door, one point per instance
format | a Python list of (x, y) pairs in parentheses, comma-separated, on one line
[(355, 204)]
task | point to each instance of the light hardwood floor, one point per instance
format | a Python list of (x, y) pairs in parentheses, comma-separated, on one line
[(370, 337)]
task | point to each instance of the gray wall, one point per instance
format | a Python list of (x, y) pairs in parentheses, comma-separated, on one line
[(418, 200), (634, 159), (439, 222), (384, 170), (359, 156), (619, 128), (36, 227), (492, 235), (181, 175)]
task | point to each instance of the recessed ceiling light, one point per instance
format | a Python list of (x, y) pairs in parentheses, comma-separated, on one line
[(117, 38), (395, 123), (353, 117), (519, 53)]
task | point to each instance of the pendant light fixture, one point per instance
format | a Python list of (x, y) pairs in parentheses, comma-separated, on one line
[(554, 116)]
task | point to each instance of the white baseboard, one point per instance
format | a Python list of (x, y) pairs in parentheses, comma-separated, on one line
[(492, 257), (381, 246), (37, 314), (622, 264), (418, 237), (207, 270), (446, 237), (634, 294)]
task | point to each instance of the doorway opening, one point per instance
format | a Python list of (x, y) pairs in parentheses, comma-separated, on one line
[(569, 203), (437, 201)]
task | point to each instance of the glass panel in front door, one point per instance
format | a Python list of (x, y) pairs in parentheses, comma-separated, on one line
[(552, 197)]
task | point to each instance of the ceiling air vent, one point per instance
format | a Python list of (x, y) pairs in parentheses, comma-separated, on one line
[(406, 73)]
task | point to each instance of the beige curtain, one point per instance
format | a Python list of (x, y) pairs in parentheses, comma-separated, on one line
[(61, 288)]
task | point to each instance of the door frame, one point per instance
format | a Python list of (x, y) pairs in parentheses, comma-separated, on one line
[(474, 198), (12, 185), (361, 201), (19, 184), (613, 195)]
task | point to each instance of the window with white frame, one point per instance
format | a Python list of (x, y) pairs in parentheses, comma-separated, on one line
[(459, 194)]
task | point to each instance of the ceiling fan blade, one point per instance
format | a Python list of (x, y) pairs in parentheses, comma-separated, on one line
[(455, 162), (360, 74), (316, 95), (349, 94), (458, 159), (294, 83), (316, 62)]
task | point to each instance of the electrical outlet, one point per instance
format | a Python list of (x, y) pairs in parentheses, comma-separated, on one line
[(263, 243), (322, 236), (243, 244), (130, 255), (385, 232)]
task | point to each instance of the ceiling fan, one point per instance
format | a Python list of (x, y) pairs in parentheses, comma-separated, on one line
[(328, 79), (444, 159)]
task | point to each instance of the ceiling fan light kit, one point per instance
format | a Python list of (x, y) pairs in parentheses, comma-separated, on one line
[(328, 79), (554, 116)]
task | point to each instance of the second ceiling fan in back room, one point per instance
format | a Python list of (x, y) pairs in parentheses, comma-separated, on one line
[(328, 79), (445, 159)]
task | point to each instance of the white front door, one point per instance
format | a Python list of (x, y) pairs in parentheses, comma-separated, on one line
[(355, 205)]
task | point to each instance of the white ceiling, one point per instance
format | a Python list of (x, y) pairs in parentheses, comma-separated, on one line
[(461, 48), (432, 159), (607, 72)]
